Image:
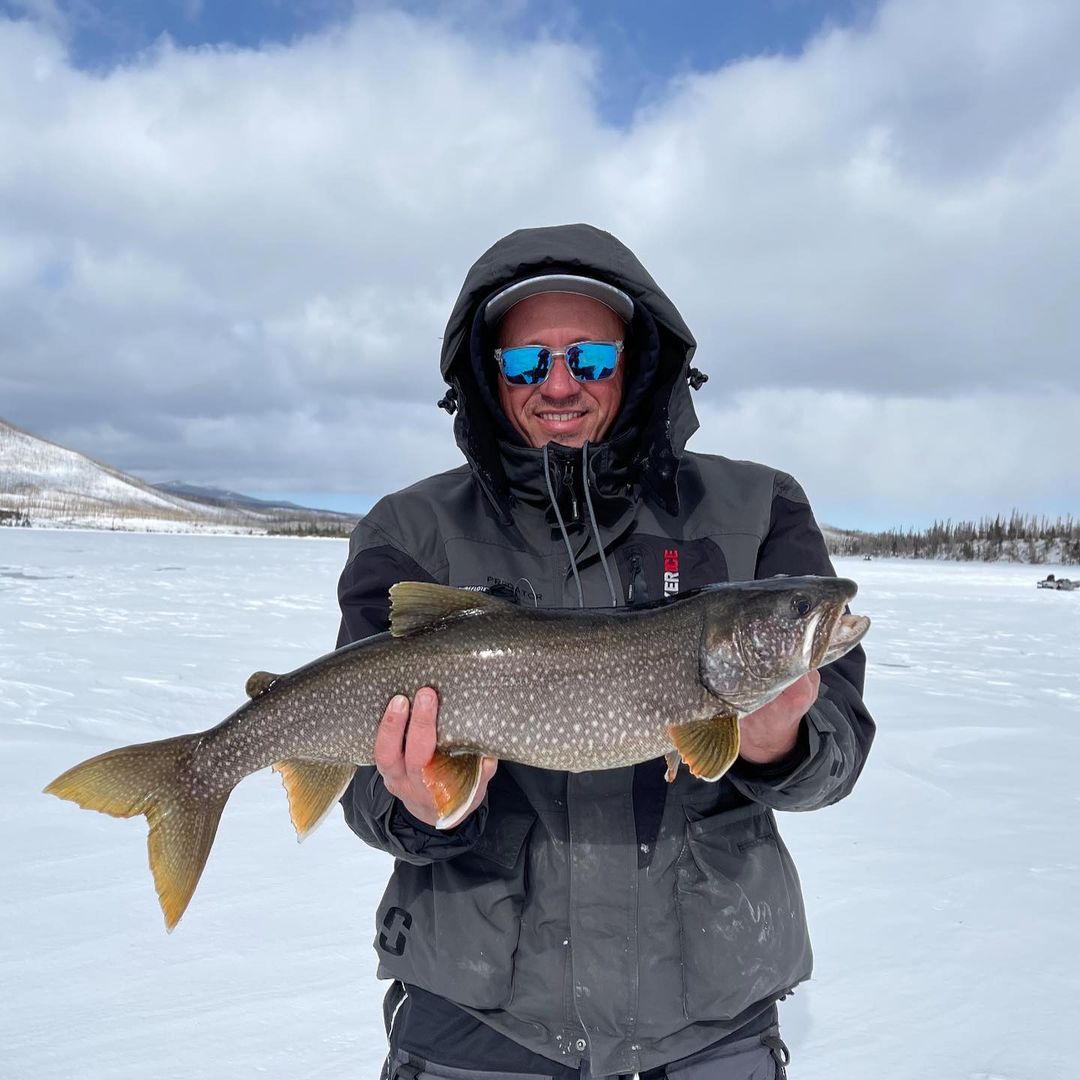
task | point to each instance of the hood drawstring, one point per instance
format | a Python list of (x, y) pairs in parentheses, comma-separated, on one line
[(562, 527), (592, 524)]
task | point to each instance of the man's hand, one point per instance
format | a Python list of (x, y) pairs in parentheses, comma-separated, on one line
[(772, 731), (404, 744)]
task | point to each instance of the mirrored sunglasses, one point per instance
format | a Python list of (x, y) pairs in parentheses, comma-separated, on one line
[(587, 361)]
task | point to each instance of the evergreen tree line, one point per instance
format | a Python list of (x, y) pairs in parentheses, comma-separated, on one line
[(341, 529), (1017, 538)]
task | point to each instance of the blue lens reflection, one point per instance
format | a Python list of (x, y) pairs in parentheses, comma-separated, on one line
[(591, 360), (587, 361), (526, 365)]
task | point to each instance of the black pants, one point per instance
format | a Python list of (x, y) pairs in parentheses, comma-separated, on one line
[(423, 1028)]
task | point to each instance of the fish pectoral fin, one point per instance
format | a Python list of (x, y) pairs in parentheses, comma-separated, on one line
[(259, 682), (707, 746), (416, 605), (674, 760), (313, 787), (452, 780)]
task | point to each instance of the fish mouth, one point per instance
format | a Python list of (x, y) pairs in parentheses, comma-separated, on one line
[(847, 632)]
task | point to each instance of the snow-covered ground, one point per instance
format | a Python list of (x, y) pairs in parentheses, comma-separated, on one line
[(942, 894)]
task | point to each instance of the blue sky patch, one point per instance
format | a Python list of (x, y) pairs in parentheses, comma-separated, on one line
[(642, 45)]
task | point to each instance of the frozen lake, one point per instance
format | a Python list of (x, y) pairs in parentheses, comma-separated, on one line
[(942, 894)]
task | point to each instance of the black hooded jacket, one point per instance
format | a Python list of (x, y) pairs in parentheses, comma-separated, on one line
[(605, 916), (657, 417)]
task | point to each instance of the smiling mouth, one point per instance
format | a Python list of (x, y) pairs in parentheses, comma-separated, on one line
[(558, 417)]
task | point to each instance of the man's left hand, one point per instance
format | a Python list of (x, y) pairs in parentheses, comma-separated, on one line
[(772, 731)]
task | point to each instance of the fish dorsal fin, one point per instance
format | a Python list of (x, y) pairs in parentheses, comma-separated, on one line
[(416, 605), (259, 683)]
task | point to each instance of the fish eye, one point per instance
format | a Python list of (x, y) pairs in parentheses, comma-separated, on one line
[(801, 605)]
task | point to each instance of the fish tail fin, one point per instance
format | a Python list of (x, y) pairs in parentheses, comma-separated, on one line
[(149, 779)]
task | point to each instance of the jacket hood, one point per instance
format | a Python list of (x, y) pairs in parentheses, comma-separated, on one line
[(657, 400)]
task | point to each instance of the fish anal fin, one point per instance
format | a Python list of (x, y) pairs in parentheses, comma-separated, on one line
[(452, 780), (313, 788), (416, 605), (707, 746), (259, 682)]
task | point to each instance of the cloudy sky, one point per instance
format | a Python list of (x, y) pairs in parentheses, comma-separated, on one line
[(231, 232)]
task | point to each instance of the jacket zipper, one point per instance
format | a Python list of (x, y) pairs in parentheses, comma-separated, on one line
[(637, 581), (568, 481)]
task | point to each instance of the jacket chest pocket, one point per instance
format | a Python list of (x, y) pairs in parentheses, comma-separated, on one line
[(741, 918), (655, 567), (457, 922)]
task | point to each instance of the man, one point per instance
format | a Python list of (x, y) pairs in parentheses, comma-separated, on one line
[(604, 923)]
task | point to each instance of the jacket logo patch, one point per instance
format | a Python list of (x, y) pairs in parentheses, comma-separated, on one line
[(671, 571), (395, 919), (520, 591)]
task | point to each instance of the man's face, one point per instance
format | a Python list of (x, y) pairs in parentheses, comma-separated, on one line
[(561, 409)]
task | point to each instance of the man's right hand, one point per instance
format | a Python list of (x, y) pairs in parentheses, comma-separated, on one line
[(405, 743)]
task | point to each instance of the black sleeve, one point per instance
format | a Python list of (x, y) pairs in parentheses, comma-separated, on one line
[(370, 810), (364, 590), (836, 733)]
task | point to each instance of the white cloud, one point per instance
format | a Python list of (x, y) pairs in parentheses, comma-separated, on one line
[(235, 265), (898, 461)]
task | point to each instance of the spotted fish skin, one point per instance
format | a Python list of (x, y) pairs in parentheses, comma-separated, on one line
[(528, 686), (568, 690)]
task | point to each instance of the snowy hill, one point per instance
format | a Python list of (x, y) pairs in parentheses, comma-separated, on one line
[(42, 483)]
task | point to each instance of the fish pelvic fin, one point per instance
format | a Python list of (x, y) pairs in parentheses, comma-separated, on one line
[(417, 605), (153, 779), (452, 780), (709, 747), (313, 788)]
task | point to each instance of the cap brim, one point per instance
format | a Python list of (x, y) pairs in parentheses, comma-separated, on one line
[(607, 294)]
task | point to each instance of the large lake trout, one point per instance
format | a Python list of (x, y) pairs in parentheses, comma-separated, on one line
[(573, 690)]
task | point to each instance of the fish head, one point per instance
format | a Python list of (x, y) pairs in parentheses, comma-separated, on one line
[(759, 637)]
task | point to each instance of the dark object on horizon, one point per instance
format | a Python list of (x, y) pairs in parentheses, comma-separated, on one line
[(1064, 584)]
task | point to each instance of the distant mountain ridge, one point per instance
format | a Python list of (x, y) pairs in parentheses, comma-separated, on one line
[(213, 496), (43, 483)]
